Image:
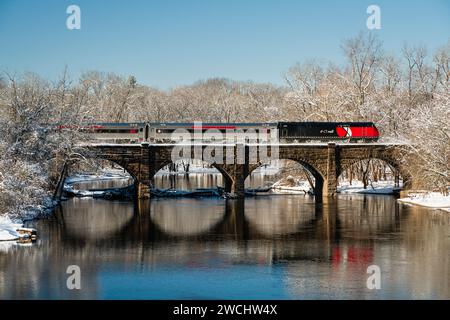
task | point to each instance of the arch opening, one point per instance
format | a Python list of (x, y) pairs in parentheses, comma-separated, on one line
[(371, 175), (189, 174), (286, 175), (84, 177)]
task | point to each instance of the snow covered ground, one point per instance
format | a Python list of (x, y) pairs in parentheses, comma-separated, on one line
[(12, 231), (299, 186), (8, 229), (380, 187), (192, 169), (291, 185), (428, 199), (110, 174)]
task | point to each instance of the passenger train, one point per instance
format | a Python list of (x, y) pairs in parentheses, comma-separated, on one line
[(282, 132)]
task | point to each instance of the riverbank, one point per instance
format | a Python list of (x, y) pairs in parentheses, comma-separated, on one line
[(379, 187), (11, 230), (104, 175), (295, 185), (427, 199)]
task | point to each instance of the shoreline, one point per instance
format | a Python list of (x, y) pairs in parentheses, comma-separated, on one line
[(427, 199)]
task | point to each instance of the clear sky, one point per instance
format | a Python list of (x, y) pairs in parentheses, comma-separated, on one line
[(166, 43)]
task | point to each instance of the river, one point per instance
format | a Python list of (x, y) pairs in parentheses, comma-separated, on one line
[(268, 247)]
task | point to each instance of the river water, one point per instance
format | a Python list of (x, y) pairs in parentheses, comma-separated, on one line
[(271, 247)]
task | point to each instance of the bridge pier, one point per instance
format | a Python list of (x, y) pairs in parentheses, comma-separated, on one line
[(240, 172), (144, 172), (330, 183), (142, 190), (318, 188), (240, 169), (234, 174)]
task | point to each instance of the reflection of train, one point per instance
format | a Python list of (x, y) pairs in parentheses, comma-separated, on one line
[(233, 132)]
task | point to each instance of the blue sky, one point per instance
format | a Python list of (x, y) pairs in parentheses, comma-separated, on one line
[(175, 42)]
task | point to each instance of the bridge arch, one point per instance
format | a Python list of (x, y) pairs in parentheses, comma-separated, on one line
[(226, 178), (69, 165), (397, 169), (310, 168)]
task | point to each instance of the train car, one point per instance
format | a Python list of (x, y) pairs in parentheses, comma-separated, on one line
[(284, 132), (327, 131), (116, 132), (213, 132)]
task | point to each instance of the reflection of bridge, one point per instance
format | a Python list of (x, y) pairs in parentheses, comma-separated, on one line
[(265, 218), (324, 161)]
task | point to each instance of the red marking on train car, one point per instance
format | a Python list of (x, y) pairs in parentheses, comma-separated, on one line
[(74, 126), (372, 132), (341, 132), (133, 131), (214, 127), (357, 132)]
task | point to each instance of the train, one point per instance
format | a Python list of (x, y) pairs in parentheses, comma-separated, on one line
[(271, 132)]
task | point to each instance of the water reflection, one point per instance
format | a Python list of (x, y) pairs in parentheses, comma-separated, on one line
[(187, 181), (186, 217), (197, 180), (90, 220), (287, 247)]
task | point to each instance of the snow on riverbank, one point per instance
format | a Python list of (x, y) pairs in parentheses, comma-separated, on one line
[(379, 187), (8, 229), (428, 199), (13, 231), (291, 185), (192, 169), (110, 174)]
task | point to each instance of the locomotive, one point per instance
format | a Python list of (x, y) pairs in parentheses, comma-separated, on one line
[(274, 132)]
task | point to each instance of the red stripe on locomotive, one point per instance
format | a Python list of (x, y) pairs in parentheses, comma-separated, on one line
[(357, 132)]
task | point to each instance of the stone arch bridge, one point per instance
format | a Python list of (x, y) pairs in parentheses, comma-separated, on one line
[(325, 161)]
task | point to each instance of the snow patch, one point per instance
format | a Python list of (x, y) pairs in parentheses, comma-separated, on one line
[(291, 185), (434, 200), (8, 229), (111, 174), (379, 187)]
